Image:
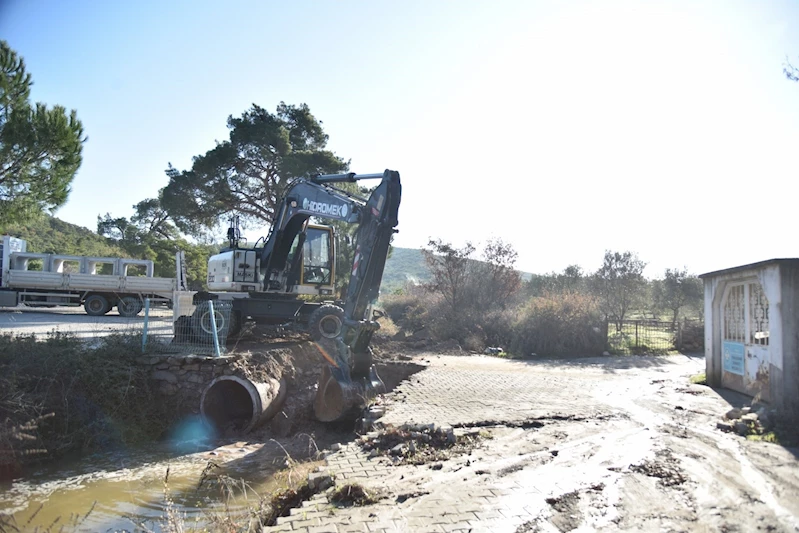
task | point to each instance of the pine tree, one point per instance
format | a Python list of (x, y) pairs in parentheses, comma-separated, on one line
[(40, 148)]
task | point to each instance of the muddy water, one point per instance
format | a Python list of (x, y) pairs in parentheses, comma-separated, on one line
[(124, 490)]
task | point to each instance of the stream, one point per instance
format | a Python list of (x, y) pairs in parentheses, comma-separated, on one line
[(125, 490)]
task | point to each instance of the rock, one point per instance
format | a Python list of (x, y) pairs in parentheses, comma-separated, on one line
[(373, 454), (749, 417), (376, 411), (336, 447), (195, 378), (606, 354), (167, 389), (163, 375), (191, 367), (411, 447), (437, 466), (320, 480), (733, 414), (399, 449), (449, 432), (746, 410), (724, 426), (741, 428)]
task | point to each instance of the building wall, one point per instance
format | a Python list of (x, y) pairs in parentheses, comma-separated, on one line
[(777, 381), (789, 380)]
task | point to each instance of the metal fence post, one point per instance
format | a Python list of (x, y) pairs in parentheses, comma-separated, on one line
[(213, 328), (146, 323), (636, 334)]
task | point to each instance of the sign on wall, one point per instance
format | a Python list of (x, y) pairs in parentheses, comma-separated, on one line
[(732, 357)]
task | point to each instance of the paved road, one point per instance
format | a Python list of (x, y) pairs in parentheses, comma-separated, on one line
[(25, 321), (623, 444)]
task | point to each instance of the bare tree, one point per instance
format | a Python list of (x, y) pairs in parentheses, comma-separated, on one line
[(449, 267), (496, 279)]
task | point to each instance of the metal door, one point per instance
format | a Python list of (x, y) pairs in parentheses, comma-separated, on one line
[(745, 339)]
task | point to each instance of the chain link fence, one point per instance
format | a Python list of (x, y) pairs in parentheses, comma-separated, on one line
[(199, 328), (643, 337)]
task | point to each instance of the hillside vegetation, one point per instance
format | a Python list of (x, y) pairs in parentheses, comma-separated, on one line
[(404, 265), (50, 235)]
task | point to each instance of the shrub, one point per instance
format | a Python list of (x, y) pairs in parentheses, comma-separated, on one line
[(98, 394), (558, 324), (409, 309)]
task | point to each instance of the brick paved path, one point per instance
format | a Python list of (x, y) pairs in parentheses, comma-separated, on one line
[(469, 390), (462, 391)]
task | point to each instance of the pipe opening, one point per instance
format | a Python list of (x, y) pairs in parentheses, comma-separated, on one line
[(229, 405)]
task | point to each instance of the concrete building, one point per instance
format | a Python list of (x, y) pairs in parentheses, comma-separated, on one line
[(752, 331)]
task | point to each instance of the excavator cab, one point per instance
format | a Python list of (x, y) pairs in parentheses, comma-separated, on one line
[(313, 261)]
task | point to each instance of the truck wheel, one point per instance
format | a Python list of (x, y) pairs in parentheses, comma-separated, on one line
[(326, 322), (96, 305), (129, 306)]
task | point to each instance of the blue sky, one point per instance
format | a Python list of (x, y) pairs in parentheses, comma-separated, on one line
[(566, 128)]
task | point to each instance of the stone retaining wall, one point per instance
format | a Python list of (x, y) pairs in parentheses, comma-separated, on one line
[(186, 376)]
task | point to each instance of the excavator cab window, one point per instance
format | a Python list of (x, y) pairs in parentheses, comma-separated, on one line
[(317, 256)]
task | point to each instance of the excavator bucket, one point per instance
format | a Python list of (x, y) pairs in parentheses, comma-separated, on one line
[(339, 397)]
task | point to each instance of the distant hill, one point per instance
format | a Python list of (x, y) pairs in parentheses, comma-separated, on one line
[(52, 235), (407, 264), (404, 264), (49, 235)]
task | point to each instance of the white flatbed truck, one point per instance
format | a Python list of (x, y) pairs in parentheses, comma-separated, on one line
[(69, 280)]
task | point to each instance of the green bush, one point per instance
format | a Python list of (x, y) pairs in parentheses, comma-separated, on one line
[(98, 395), (410, 309), (561, 324)]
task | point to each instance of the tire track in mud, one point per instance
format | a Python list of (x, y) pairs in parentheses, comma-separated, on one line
[(593, 448), (716, 479)]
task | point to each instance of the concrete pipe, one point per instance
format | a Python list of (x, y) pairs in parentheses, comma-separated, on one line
[(238, 404)]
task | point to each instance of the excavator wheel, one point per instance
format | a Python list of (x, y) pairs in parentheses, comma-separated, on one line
[(325, 322)]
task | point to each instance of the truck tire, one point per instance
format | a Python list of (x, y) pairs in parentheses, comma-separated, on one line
[(325, 322), (96, 305), (129, 306)]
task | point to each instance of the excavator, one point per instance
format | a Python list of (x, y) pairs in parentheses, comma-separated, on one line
[(270, 280)]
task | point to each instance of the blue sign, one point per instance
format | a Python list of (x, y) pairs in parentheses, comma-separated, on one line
[(732, 357)]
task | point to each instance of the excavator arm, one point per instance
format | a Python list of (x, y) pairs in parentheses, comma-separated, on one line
[(350, 378)]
